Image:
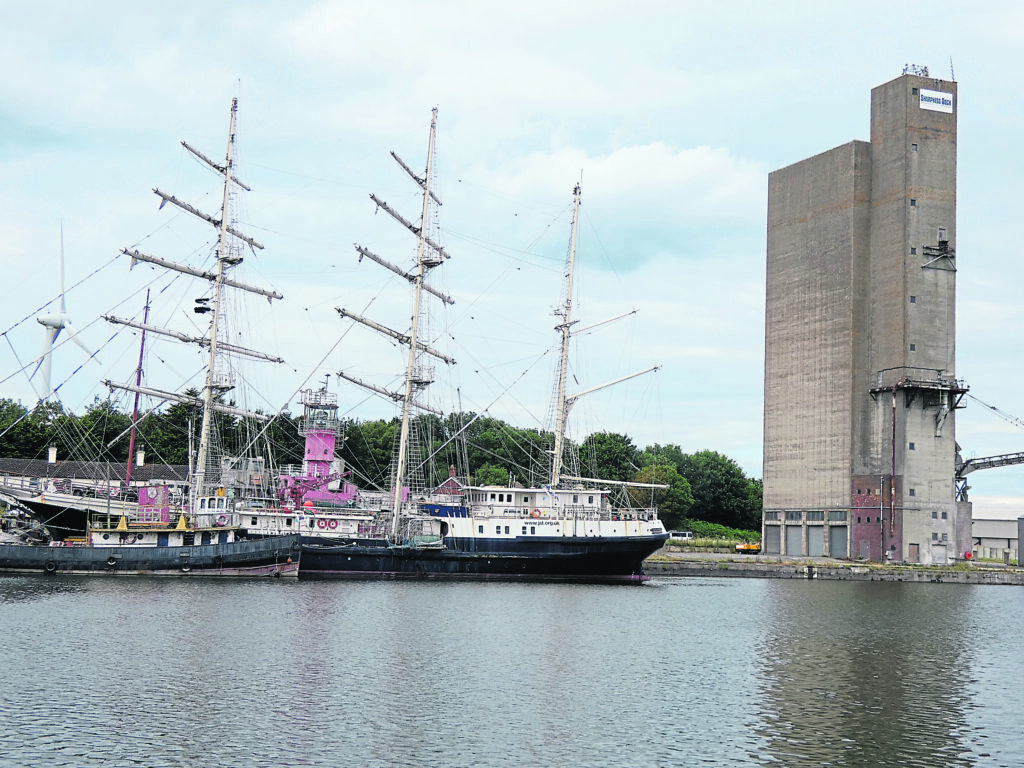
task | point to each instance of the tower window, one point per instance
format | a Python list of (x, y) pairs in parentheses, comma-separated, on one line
[(913, 147), (913, 202), (911, 446), (913, 347), (913, 299), (912, 492), (913, 250), (913, 91), (943, 237)]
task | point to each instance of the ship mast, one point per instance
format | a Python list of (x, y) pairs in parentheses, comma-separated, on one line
[(564, 329), (410, 371), (228, 256), (418, 375), (135, 409), (214, 384), (563, 403)]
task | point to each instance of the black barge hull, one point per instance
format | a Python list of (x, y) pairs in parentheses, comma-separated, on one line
[(274, 556)]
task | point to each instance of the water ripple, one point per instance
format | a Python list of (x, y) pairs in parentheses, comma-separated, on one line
[(119, 672)]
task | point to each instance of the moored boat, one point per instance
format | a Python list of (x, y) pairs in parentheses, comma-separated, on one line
[(118, 548), (153, 532), (565, 530)]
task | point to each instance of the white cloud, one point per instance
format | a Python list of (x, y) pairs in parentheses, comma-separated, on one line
[(673, 112)]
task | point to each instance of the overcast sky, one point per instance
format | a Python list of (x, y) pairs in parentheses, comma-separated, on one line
[(672, 113)]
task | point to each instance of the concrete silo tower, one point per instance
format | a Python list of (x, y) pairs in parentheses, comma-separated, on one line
[(860, 332)]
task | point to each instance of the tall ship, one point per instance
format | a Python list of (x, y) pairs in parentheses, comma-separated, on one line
[(566, 529), (156, 531)]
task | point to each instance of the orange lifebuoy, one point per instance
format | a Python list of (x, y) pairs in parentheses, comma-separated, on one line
[(535, 513)]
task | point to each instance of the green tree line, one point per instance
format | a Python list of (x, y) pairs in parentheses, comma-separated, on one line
[(706, 485)]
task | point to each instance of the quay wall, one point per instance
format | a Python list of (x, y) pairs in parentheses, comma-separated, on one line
[(657, 566)]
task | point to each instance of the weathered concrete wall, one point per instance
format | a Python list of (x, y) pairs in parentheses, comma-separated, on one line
[(910, 315), (796, 570), (857, 300), (816, 228)]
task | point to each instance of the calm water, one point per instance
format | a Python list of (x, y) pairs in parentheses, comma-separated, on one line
[(690, 672)]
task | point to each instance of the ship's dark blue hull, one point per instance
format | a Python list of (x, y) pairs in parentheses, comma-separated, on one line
[(275, 556), (577, 559)]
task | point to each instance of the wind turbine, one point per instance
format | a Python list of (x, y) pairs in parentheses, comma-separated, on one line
[(54, 324)]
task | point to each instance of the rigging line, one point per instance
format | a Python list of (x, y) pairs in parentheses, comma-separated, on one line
[(16, 422), (128, 429), (511, 251), (597, 236), (306, 176), (535, 362), (25, 366), (281, 410), (53, 390), (523, 203), (67, 291), (17, 359), (512, 264), (467, 424)]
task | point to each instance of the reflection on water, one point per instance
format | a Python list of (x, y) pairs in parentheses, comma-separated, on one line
[(679, 672), (866, 674)]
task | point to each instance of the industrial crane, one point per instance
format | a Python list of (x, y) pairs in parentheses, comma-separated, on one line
[(963, 468)]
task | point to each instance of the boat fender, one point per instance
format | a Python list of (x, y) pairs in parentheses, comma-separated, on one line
[(535, 513), (111, 561), (50, 567), (332, 524), (185, 568)]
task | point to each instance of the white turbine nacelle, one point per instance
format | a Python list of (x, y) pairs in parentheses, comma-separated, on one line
[(54, 324)]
